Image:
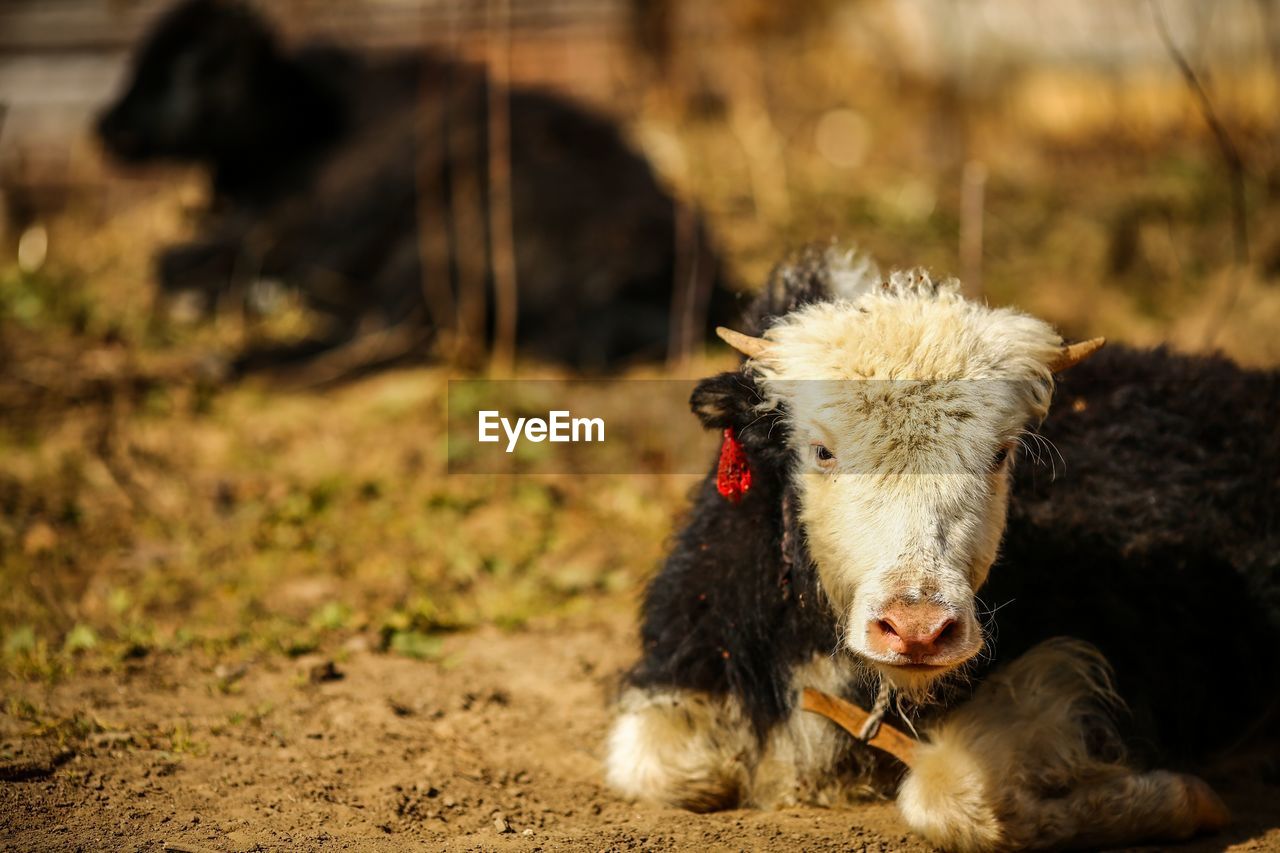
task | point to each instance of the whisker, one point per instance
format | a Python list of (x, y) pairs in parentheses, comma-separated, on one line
[(1049, 446), (991, 611)]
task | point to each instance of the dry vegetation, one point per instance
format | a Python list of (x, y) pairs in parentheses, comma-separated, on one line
[(151, 518)]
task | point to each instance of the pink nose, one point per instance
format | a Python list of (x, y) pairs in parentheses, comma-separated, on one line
[(918, 631)]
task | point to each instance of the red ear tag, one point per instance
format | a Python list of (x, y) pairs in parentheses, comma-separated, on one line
[(733, 476)]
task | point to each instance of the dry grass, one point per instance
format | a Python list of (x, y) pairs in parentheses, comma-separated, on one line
[(140, 517)]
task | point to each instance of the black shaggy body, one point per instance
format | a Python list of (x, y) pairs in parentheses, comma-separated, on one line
[(363, 183), (1152, 532)]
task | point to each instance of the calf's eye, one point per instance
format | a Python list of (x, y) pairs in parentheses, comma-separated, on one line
[(824, 456), (999, 459)]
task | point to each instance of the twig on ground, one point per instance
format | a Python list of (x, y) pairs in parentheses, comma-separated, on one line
[(106, 447), (354, 358)]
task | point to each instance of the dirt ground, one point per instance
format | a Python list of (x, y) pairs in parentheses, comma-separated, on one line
[(495, 748), (242, 618)]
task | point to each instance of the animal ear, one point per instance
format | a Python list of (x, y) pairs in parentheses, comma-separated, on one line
[(724, 400)]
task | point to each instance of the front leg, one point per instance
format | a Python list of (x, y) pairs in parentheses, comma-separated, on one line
[(1024, 764), (680, 748)]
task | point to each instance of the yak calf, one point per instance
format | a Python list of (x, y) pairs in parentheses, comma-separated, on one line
[(869, 476)]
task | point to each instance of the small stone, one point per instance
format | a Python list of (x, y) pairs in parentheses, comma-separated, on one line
[(39, 539), (501, 825), (322, 672), (358, 643), (527, 832)]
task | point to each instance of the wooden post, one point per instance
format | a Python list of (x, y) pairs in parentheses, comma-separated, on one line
[(501, 226)]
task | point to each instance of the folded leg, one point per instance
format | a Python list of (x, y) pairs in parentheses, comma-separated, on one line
[(1032, 761)]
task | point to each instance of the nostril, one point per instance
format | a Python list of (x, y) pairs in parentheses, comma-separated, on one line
[(886, 628), (943, 634)]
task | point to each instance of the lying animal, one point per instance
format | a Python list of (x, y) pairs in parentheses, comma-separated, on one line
[(859, 508), (363, 183)]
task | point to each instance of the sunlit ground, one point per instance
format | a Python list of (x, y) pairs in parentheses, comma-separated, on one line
[(144, 511)]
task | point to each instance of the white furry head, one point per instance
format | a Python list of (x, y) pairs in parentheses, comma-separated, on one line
[(905, 403)]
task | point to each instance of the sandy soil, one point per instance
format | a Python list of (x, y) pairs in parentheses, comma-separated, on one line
[(264, 523), (495, 748)]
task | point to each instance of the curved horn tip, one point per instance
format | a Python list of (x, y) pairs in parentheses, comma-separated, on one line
[(745, 344), (1073, 354)]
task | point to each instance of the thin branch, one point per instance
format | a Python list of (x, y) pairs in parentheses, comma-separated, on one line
[(1230, 154), (467, 210), (684, 294)]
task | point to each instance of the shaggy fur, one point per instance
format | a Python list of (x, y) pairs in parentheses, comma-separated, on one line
[(1146, 524), (1031, 761), (1158, 528), (363, 183)]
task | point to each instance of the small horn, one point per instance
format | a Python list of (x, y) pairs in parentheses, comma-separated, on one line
[(1073, 354), (745, 344)]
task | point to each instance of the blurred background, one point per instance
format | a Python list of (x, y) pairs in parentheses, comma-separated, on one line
[(1110, 166)]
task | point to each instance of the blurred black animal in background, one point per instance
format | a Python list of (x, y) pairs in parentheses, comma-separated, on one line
[(363, 183)]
